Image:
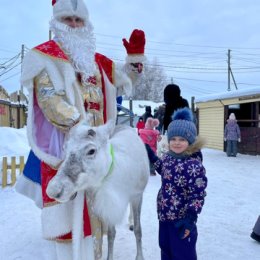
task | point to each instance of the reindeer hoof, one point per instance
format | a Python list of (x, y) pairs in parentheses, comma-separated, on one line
[(131, 227)]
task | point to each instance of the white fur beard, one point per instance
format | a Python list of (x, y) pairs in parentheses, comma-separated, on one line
[(79, 44)]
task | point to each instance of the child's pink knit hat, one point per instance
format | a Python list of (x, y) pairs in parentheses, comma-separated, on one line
[(151, 123)]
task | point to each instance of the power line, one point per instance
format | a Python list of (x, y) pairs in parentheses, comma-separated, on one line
[(184, 44), (184, 61), (4, 50), (8, 70), (11, 76)]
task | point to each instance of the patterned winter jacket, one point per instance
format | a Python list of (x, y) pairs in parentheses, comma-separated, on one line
[(232, 130), (183, 186)]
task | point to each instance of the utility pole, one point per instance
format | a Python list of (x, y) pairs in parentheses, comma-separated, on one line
[(22, 57), (230, 72), (50, 36)]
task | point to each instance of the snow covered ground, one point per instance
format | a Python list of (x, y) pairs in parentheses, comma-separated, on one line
[(231, 209)]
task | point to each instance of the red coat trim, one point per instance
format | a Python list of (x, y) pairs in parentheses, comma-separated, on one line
[(51, 48), (47, 173), (108, 66)]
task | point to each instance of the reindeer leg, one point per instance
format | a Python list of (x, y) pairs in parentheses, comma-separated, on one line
[(111, 233), (130, 218), (137, 205)]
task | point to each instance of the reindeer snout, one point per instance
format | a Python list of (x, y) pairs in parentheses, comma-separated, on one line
[(54, 190)]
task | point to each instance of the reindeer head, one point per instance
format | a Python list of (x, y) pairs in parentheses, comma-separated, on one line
[(86, 162)]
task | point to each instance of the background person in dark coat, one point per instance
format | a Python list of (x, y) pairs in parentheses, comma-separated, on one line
[(173, 100), (159, 114), (147, 113)]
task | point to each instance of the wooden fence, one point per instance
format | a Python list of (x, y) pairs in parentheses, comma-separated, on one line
[(11, 169)]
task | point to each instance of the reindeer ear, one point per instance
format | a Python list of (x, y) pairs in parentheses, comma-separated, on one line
[(105, 131), (110, 125)]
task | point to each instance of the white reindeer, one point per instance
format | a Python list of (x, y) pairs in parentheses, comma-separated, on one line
[(110, 163)]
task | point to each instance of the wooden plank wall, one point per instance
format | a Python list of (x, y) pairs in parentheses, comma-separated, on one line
[(12, 115), (211, 126)]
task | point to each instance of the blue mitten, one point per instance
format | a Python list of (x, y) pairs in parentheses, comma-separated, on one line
[(186, 223), (151, 155)]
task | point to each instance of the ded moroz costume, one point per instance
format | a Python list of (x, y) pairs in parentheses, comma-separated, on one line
[(67, 81)]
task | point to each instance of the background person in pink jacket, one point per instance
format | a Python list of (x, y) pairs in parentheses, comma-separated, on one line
[(151, 136)]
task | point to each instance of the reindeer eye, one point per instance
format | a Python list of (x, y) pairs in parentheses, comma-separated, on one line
[(91, 152)]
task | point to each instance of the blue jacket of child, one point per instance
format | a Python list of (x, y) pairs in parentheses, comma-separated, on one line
[(183, 186)]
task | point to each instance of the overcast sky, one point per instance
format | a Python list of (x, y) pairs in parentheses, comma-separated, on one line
[(189, 39)]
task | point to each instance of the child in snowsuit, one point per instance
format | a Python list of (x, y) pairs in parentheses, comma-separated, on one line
[(232, 135), (181, 196), (140, 124), (151, 136)]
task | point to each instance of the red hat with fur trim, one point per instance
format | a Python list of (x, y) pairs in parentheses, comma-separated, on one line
[(135, 47)]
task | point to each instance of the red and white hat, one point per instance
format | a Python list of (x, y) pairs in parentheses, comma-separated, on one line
[(135, 47), (63, 8)]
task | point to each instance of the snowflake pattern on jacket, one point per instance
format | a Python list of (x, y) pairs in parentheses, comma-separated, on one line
[(183, 184)]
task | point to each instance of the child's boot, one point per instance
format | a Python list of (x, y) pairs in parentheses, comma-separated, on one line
[(256, 231)]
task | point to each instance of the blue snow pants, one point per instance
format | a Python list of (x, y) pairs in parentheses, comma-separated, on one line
[(231, 148), (173, 247)]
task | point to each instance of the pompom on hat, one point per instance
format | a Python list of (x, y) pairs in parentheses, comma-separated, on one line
[(63, 8), (151, 123), (182, 125), (135, 47)]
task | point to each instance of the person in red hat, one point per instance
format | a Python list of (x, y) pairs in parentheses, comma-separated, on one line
[(135, 49), (67, 82)]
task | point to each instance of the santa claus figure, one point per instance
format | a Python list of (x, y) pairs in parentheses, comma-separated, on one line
[(67, 80)]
